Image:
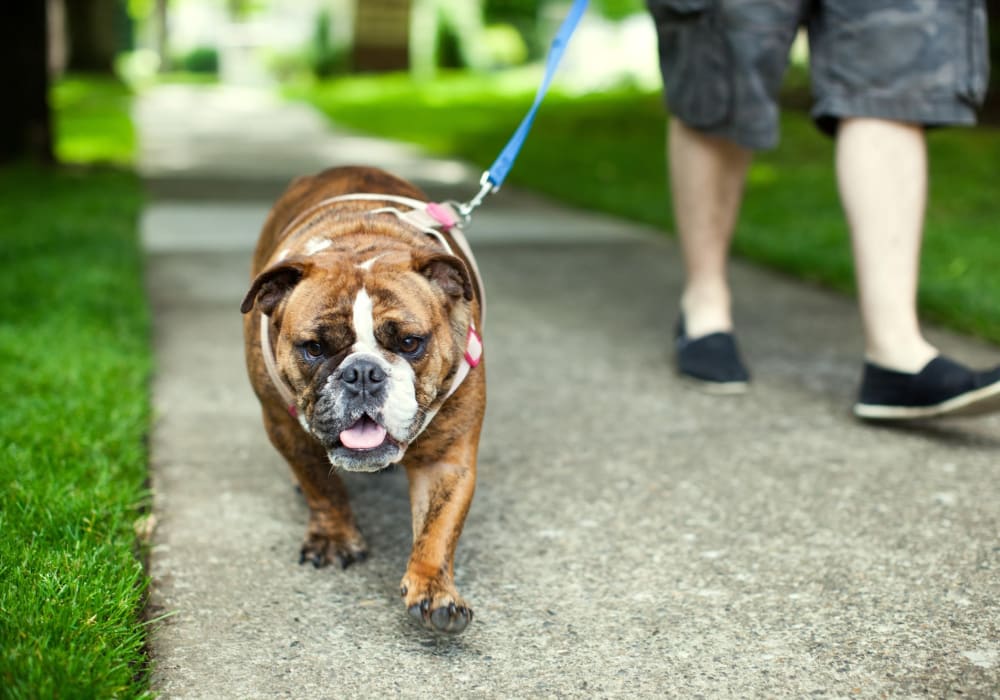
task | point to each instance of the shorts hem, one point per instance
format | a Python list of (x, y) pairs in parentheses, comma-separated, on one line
[(752, 140), (945, 111)]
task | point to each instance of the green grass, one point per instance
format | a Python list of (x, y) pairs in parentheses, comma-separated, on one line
[(606, 152), (91, 120), (74, 348)]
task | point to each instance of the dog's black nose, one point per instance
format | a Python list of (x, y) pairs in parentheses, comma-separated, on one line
[(363, 376)]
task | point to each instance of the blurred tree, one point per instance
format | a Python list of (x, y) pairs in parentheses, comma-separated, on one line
[(991, 110), (93, 41), (325, 58), (522, 15), (445, 33), (993, 15), (513, 11), (381, 35), (25, 124), (160, 41)]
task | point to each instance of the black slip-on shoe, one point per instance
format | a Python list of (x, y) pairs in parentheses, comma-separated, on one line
[(712, 360), (942, 388)]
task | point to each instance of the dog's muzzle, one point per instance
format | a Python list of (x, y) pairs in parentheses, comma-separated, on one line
[(353, 416), (363, 380)]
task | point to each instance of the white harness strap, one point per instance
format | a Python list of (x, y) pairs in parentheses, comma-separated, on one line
[(427, 217), (272, 367)]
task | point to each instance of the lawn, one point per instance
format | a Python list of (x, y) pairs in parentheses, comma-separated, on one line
[(605, 152), (74, 347), (91, 119)]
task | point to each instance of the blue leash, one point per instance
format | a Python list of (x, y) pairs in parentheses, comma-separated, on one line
[(493, 177)]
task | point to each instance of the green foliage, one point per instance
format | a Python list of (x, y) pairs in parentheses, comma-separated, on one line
[(521, 16), (202, 59), (516, 11), (504, 46), (606, 152), (619, 9), (91, 120), (242, 10), (74, 345), (324, 58), (139, 9), (320, 57)]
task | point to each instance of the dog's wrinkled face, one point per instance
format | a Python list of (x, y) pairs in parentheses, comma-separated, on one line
[(369, 347)]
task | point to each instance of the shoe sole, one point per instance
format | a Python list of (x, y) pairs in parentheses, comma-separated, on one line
[(972, 403), (715, 388)]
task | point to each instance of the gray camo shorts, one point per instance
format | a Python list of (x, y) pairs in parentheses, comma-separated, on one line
[(918, 61)]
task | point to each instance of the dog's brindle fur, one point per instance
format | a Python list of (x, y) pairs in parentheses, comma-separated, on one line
[(441, 462)]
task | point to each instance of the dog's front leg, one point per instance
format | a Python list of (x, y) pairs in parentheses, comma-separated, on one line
[(440, 495), (332, 534)]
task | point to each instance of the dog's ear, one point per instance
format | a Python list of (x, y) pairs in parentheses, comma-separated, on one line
[(447, 272), (272, 285)]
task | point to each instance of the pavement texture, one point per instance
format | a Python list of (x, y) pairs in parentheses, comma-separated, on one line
[(630, 536)]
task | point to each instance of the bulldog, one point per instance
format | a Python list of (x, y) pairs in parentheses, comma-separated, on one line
[(362, 331)]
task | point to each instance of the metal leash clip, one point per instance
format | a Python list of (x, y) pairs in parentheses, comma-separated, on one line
[(465, 209)]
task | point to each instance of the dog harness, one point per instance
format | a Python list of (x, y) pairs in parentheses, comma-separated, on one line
[(437, 220)]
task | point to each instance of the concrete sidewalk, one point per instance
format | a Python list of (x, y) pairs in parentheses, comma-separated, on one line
[(630, 536)]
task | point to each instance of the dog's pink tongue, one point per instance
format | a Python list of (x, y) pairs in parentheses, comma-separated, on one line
[(363, 435)]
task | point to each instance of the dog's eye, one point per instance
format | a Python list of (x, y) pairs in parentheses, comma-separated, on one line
[(412, 345), (313, 349)]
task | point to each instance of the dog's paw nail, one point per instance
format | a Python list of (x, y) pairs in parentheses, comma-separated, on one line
[(314, 558), (416, 612), (345, 559), (441, 619), (308, 555), (452, 619)]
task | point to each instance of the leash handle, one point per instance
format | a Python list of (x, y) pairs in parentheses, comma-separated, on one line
[(492, 178)]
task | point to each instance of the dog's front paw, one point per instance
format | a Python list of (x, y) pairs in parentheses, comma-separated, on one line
[(323, 545), (435, 604)]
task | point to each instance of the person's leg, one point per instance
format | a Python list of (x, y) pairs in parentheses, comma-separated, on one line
[(882, 72), (706, 175), (722, 63), (882, 175)]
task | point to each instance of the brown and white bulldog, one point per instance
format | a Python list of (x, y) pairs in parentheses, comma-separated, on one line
[(362, 343)]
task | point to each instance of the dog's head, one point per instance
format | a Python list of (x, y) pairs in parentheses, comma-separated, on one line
[(368, 345)]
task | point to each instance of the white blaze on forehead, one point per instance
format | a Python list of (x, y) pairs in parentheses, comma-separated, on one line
[(314, 245), (367, 264), (400, 407), (363, 316)]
